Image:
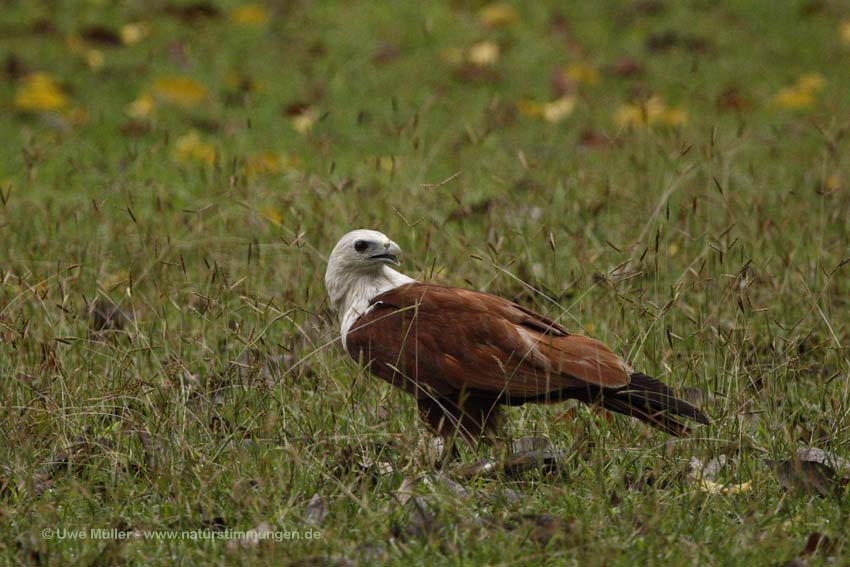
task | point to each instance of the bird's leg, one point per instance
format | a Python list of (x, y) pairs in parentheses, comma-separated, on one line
[(473, 418)]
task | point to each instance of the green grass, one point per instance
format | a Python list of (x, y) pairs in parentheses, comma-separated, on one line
[(709, 253)]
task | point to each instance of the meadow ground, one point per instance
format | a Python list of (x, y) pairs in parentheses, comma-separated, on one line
[(672, 177)]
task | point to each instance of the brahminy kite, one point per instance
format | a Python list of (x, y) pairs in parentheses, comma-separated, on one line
[(463, 354)]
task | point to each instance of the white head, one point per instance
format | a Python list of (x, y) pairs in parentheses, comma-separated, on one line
[(358, 270)]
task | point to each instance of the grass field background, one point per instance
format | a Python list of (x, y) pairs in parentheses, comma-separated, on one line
[(671, 177)]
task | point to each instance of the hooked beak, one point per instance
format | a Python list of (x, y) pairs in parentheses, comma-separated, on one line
[(389, 255)]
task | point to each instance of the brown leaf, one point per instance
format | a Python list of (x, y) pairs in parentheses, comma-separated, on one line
[(194, 12), (813, 454), (101, 35), (732, 99), (296, 108), (590, 138), (817, 541), (106, 316), (316, 510), (561, 84), (13, 68), (418, 520), (544, 528), (808, 477), (627, 68), (386, 53), (322, 561), (666, 40)]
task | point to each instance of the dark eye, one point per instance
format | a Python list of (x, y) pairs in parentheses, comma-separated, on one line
[(361, 245)]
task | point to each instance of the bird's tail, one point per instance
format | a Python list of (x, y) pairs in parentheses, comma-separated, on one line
[(644, 398), (652, 401)]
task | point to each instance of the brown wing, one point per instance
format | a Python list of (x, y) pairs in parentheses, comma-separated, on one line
[(440, 338)]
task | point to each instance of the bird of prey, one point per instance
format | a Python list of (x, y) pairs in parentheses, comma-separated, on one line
[(463, 354)]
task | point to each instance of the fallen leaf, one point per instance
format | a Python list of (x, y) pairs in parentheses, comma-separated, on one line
[(845, 32), (142, 107), (194, 12), (250, 15), (273, 215), (101, 35), (38, 92), (95, 59), (190, 147), (816, 455), (322, 561), (107, 316), (595, 139), (418, 520), (316, 510), (627, 68), (181, 91), (559, 109), (648, 113), (582, 73), (133, 33), (498, 15), (14, 68), (705, 475), (801, 95), (386, 52), (732, 99), (266, 163), (304, 121), (483, 54), (806, 477), (544, 528), (829, 185)]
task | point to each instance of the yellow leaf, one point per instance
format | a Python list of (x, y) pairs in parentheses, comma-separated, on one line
[(250, 15), (190, 147), (112, 280), (528, 107), (811, 82), (132, 34), (582, 73), (712, 487), (559, 109), (630, 114), (794, 98), (304, 121), (77, 116), (452, 55), (272, 214), (845, 32), (674, 116), (649, 112), (263, 164), (498, 15), (181, 91), (142, 107), (386, 163), (483, 54), (94, 59), (832, 182), (75, 43), (38, 92), (802, 94)]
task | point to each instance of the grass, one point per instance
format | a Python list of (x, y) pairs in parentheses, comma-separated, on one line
[(710, 251)]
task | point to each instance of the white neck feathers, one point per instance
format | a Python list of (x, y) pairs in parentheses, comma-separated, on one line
[(351, 291)]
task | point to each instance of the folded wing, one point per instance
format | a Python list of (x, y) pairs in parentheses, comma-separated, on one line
[(425, 336)]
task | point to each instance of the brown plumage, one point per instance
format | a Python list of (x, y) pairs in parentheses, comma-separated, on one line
[(463, 354)]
